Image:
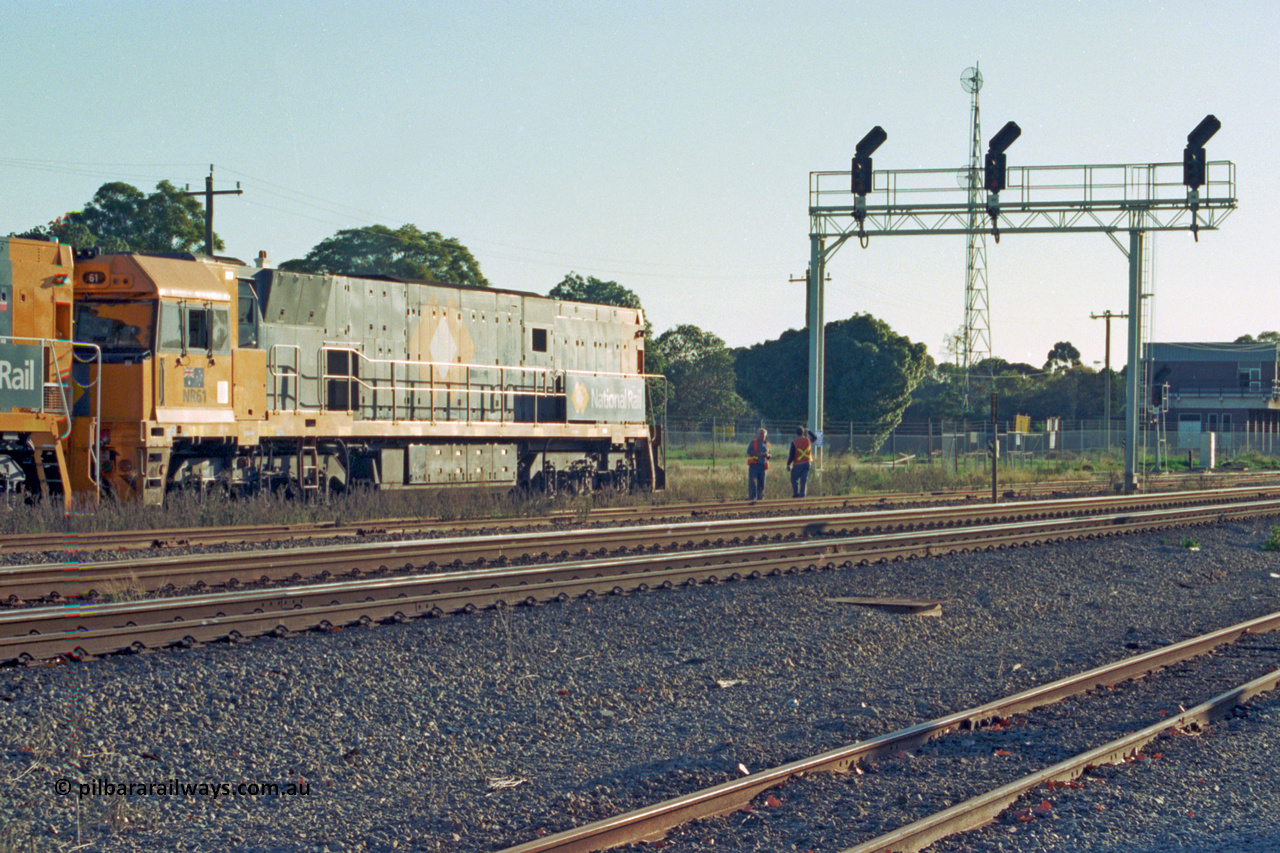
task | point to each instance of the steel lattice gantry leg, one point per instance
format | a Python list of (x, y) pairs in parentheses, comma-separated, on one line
[(817, 338), (1133, 386)]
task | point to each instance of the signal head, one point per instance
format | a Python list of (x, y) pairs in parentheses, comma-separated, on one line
[(1204, 131), (873, 140), (1004, 138)]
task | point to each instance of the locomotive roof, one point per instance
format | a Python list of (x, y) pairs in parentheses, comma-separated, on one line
[(166, 276), (427, 281)]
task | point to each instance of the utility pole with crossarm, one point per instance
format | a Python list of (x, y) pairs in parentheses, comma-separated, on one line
[(209, 193)]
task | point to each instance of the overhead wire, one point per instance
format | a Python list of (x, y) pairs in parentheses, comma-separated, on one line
[(340, 216)]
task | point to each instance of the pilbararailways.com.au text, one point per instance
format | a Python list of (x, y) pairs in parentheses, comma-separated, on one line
[(174, 788)]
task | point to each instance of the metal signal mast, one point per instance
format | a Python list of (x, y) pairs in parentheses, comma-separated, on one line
[(976, 338)]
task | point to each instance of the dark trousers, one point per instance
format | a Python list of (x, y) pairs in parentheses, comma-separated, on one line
[(799, 479), (755, 482)]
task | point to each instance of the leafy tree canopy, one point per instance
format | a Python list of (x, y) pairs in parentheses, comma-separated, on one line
[(1262, 338), (870, 373), (995, 366), (1062, 357), (405, 252), (699, 370), (575, 288), (122, 218)]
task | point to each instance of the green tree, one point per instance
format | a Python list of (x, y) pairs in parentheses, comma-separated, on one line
[(122, 218), (870, 374), (574, 288), (405, 252), (699, 370), (1262, 338), (1062, 357)]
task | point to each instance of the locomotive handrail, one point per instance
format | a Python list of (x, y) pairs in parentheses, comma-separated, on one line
[(377, 385), (274, 368), (50, 346), (95, 446), (537, 387)]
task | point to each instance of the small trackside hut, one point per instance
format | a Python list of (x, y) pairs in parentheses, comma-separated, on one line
[(243, 377)]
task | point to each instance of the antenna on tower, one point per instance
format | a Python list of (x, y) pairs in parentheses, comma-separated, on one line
[(976, 335)]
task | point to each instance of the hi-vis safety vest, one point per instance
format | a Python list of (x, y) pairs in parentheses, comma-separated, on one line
[(754, 456), (804, 451)]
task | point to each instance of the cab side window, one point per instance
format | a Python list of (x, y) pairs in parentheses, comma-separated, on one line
[(170, 327), (247, 316), (220, 331), (197, 327)]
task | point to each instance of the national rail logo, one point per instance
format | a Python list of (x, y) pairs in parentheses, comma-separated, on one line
[(581, 397), (15, 377)]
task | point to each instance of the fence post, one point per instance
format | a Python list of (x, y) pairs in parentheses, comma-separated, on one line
[(713, 442)]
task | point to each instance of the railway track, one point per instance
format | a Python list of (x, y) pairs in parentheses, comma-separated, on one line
[(82, 629), (656, 821), (241, 535), (181, 537), (132, 578)]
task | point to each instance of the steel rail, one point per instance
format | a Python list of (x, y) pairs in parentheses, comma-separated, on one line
[(244, 534), (70, 580), (654, 822), (173, 537), (85, 629), (983, 809)]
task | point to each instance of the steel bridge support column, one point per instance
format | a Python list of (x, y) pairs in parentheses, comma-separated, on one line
[(1133, 388), (817, 338)]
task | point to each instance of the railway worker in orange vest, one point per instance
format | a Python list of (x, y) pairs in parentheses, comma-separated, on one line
[(798, 461), (757, 464)]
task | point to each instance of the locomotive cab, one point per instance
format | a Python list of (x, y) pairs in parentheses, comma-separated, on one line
[(164, 325)]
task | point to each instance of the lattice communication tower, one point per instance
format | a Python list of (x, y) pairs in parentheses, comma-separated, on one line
[(976, 336)]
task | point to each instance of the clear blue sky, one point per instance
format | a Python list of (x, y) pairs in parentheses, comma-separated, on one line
[(663, 145)]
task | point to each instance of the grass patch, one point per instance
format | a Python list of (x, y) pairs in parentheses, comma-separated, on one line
[(1272, 542)]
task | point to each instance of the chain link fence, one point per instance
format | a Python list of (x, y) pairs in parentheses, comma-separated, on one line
[(946, 441)]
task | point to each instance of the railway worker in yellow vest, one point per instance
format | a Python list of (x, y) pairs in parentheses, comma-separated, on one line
[(798, 461), (757, 464)]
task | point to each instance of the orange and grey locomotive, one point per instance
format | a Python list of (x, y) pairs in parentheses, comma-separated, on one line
[(36, 357), (217, 373)]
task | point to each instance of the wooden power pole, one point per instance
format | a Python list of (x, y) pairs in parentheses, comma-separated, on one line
[(209, 193)]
